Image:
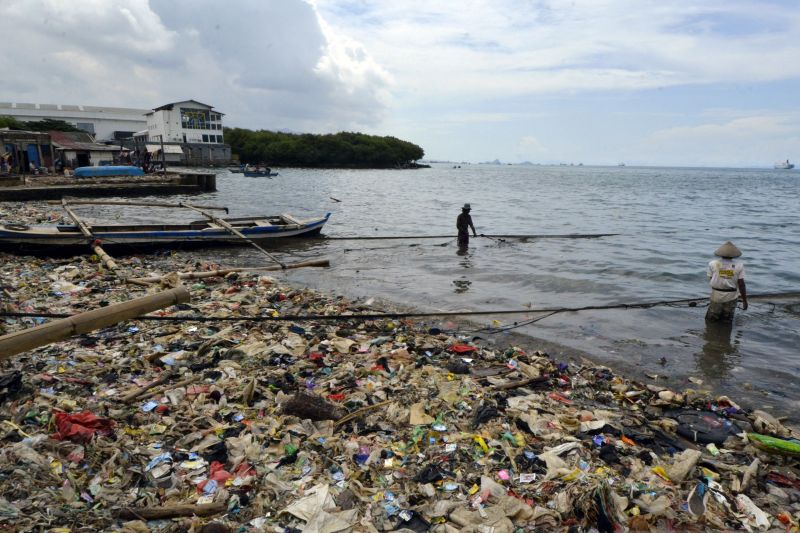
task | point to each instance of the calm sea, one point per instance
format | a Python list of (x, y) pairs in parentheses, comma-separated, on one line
[(669, 221)]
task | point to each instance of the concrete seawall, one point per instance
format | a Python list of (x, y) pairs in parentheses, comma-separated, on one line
[(51, 188)]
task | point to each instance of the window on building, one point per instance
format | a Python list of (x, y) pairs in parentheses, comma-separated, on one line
[(88, 127), (205, 138), (194, 118), (219, 139)]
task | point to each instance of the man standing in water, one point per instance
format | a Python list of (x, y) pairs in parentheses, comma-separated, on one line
[(463, 223), (727, 283)]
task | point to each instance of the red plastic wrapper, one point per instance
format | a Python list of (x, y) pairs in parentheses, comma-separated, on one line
[(80, 427), (217, 472), (462, 348)]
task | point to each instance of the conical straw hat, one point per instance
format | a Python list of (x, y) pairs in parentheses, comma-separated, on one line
[(728, 249)]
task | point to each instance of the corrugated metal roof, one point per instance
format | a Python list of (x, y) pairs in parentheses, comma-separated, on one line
[(79, 140)]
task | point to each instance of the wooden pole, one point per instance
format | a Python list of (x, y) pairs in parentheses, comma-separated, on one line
[(140, 204), (166, 376), (163, 157), (234, 231), (214, 273), (22, 341), (94, 244), (172, 511)]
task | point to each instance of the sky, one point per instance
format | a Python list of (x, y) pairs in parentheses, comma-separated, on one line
[(678, 83)]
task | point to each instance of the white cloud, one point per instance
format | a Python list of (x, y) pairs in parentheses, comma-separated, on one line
[(459, 79), (743, 141), (266, 64)]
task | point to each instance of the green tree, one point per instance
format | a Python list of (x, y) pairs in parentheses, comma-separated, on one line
[(10, 122), (344, 149)]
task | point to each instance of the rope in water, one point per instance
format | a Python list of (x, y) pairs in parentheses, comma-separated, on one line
[(433, 314), (391, 237)]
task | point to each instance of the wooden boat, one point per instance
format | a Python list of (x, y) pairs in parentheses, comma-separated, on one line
[(259, 173), (257, 228)]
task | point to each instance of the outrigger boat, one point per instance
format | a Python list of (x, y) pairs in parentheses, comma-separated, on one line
[(212, 231)]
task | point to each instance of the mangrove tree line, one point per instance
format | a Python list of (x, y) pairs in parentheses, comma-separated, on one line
[(339, 150)]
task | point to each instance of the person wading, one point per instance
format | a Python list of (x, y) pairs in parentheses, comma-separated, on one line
[(726, 276), (463, 223)]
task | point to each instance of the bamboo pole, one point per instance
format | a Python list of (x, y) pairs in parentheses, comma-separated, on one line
[(94, 244), (234, 231), (223, 272), (140, 204), (22, 341)]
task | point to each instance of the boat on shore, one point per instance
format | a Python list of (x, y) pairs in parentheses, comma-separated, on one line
[(108, 170), (784, 165), (261, 229)]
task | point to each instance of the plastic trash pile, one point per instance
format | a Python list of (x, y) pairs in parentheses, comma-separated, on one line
[(351, 425)]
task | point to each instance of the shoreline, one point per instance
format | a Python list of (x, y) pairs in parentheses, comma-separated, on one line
[(364, 424), (476, 432)]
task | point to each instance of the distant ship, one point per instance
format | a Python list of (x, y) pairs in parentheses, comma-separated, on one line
[(784, 165), (621, 164)]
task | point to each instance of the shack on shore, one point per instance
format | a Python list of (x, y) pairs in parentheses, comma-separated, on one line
[(19, 150)]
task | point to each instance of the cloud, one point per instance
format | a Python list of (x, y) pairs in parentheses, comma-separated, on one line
[(743, 141), (271, 64), (523, 47)]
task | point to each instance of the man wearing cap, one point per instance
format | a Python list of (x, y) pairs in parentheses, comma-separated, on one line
[(463, 223), (726, 277)]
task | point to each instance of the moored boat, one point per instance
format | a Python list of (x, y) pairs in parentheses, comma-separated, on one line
[(205, 232), (252, 171)]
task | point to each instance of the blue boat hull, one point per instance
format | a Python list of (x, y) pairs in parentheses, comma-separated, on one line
[(109, 170), (140, 236)]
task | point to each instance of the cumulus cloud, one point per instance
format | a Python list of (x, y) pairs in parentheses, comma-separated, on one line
[(267, 64)]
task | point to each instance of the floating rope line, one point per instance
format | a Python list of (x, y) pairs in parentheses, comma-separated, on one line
[(432, 314), (392, 237)]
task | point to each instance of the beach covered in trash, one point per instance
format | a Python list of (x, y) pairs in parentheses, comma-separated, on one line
[(205, 421)]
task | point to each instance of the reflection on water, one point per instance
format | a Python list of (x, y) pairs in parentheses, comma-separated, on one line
[(719, 355)]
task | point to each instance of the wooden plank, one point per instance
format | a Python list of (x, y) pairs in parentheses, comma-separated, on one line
[(171, 511)]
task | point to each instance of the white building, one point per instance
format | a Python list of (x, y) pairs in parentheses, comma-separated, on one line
[(105, 123), (185, 122)]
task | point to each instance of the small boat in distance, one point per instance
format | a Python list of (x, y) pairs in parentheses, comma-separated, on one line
[(258, 172), (621, 164), (56, 237), (784, 165)]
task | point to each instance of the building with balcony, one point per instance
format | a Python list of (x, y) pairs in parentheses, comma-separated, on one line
[(185, 122)]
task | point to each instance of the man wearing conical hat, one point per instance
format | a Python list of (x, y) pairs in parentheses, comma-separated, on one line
[(726, 276), (463, 223)]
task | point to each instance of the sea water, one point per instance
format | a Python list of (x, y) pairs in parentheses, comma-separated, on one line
[(668, 220)]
